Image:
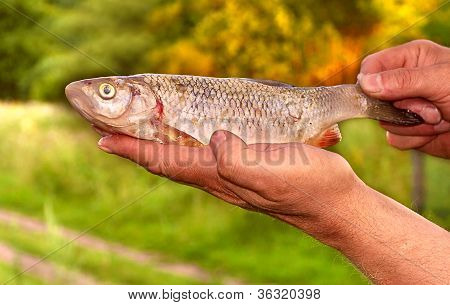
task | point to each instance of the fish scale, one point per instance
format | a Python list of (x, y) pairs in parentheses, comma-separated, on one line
[(275, 112), (216, 102), (187, 109)]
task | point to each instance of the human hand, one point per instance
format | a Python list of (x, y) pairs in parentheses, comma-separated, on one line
[(310, 188), (415, 76), (300, 184)]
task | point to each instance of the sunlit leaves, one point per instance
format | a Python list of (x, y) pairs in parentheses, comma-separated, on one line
[(306, 43)]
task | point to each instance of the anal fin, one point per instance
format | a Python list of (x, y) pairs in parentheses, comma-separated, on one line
[(328, 137), (169, 134)]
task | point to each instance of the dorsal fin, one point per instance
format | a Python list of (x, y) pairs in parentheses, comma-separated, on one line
[(328, 137), (269, 82)]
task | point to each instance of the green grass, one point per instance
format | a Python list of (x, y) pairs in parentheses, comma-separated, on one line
[(106, 267), (11, 272), (51, 169)]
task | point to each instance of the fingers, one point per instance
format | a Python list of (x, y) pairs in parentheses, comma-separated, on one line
[(427, 111), (123, 146), (419, 130), (439, 147), (260, 168), (232, 158), (388, 59), (194, 166), (414, 73), (408, 82), (189, 165), (407, 142), (409, 55), (418, 69), (244, 170), (240, 164)]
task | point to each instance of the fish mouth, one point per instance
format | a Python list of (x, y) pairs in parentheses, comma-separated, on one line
[(74, 94), (76, 98)]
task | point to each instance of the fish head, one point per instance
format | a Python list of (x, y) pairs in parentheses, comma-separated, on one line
[(116, 104)]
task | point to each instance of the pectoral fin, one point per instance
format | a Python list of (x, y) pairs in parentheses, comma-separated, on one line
[(328, 137)]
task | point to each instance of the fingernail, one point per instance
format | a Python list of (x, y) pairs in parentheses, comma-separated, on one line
[(102, 144), (432, 114), (219, 137), (371, 82), (388, 137), (358, 78)]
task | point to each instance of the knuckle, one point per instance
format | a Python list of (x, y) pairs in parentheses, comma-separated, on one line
[(423, 46), (370, 60), (367, 59), (422, 42), (397, 80), (164, 168), (428, 44), (428, 50), (273, 193), (131, 149), (404, 79), (264, 188), (228, 166), (151, 159)]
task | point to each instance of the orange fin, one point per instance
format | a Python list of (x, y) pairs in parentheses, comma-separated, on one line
[(328, 137), (168, 134)]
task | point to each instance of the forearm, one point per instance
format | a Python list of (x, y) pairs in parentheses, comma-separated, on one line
[(324, 198), (385, 240)]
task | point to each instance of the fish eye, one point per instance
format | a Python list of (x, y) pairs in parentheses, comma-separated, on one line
[(107, 91)]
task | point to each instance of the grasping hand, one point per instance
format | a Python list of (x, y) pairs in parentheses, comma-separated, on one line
[(416, 76), (298, 183), (310, 188), (316, 190)]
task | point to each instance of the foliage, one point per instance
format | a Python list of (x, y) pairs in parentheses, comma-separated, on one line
[(20, 46), (55, 166), (308, 42)]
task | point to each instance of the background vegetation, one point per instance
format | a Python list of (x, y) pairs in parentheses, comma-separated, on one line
[(51, 170)]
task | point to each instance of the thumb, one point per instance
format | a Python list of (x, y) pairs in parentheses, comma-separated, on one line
[(231, 155), (426, 82)]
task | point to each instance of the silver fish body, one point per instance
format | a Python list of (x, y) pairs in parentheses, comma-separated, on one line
[(188, 109)]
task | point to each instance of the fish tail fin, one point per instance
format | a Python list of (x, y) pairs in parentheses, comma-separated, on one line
[(354, 103), (386, 112)]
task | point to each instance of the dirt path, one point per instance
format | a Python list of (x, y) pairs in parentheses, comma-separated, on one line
[(92, 242), (46, 271)]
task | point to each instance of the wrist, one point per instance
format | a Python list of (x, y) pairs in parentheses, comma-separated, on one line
[(347, 218), (386, 240), (332, 220), (338, 222)]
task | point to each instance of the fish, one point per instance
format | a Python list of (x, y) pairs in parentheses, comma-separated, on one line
[(187, 110)]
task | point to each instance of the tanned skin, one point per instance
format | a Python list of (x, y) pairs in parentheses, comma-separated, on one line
[(316, 190)]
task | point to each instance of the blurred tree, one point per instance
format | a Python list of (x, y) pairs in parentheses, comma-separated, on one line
[(112, 33), (285, 40), (438, 27), (20, 45), (305, 43)]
